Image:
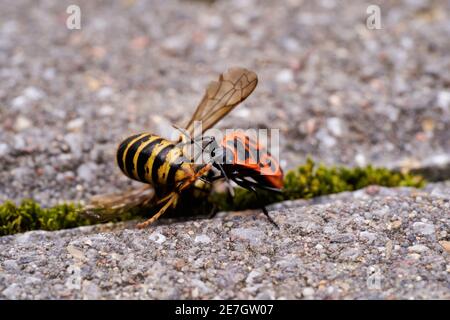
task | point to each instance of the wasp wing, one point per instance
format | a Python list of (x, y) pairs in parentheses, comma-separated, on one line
[(221, 96), (108, 207)]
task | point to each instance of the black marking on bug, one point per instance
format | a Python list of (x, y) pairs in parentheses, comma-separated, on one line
[(129, 163), (159, 161), (143, 157), (123, 145)]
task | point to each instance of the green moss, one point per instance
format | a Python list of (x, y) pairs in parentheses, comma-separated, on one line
[(30, 216), (311, 180), (304, 182)]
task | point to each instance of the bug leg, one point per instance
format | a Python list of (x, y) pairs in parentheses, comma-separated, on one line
[(212, 179), (171, 200), (229, 187), (213, 212), (266, 213), (203, 139), (263, 208), (262, 187), (230, 196)]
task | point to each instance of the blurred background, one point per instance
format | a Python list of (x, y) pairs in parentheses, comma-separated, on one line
[(338, 90)]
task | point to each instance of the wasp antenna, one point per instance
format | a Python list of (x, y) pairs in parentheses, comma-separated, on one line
[(189, 140), (183, 133), (182, 130), (204, 180)]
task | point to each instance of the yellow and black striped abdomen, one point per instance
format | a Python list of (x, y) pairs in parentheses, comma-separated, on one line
[(151, 159)]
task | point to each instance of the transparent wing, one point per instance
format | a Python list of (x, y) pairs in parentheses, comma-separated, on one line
[(221, 96), (108, 207)]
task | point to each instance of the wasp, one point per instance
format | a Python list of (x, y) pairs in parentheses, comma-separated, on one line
[(166, 166), (163, 163)]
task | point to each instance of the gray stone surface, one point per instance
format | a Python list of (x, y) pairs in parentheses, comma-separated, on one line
[(374, 243), (336, 90)]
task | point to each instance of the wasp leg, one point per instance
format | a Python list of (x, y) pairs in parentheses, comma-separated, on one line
[(197, 175), (171, 199), (166, 198)]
